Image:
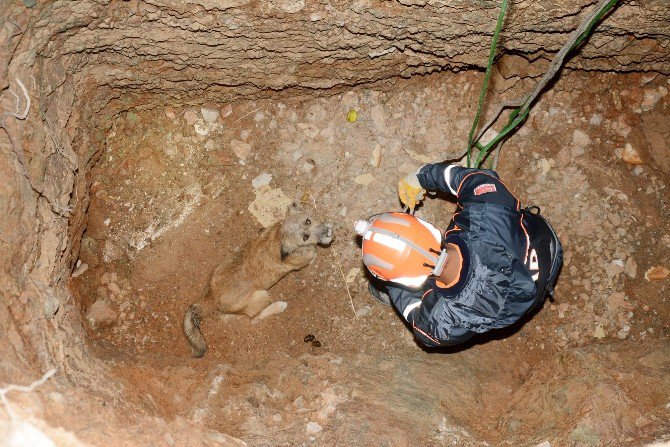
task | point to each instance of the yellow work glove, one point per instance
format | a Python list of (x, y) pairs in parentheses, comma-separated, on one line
[(410, 191)]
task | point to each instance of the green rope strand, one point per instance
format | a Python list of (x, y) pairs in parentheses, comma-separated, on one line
[(519, 114), (487, 77)]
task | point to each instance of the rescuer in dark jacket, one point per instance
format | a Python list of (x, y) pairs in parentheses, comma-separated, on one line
[(502, 260)]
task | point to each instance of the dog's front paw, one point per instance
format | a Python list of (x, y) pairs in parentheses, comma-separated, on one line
[(273, 309)]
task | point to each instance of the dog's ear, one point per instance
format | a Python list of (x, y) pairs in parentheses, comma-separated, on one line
[(292, 208)]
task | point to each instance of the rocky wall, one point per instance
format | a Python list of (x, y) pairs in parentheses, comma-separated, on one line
[(82, 62)]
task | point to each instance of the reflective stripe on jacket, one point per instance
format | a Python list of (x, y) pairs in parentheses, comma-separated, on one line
[(495, 288)]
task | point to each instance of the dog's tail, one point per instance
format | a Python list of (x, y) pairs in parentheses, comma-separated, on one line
[(192, 319)]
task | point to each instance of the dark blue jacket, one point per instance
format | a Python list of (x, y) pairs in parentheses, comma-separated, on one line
[(495, 287)]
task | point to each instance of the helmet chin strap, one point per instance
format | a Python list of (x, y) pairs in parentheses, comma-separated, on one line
[(441, 262), (443, 255)]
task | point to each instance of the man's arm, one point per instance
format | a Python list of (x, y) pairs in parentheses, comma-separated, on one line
[(405, 300), (446, 177), (416, 307), (467, 184)]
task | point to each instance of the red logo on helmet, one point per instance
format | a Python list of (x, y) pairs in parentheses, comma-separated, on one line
[(483, 189)]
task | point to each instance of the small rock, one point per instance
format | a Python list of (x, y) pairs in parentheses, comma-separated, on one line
[(544, 444), (114, 288), (210, 115), (363, 311), (169, 112), (657, 273), (562, 308), (596, 119), (190, 117), (351, 275), (263, 179), (313, 428), (79, 270), (651, 97), (614, 268), (100, 314), (169, 440), (50, 305), (599, 332), (631, 156), (580, 139), (364, 179), (226, 111), (241, 149), (297, 155), (201, 128), (376, 158), (545, 165), (623, 333), (630, 268), (637, 170)]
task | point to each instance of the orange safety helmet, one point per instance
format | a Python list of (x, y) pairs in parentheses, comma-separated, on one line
[(402, 248)]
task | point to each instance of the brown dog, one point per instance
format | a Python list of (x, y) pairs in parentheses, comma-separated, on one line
[(240, 286)]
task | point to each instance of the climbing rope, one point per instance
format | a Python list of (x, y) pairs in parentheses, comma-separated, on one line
[(487, 77), (521, 107)]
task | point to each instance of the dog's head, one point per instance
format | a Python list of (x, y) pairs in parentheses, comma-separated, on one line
[(300, 228)]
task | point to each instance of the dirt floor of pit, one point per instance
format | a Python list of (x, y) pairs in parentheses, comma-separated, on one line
[(175, 194)]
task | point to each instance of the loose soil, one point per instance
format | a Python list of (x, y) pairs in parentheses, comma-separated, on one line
[(171, 199)]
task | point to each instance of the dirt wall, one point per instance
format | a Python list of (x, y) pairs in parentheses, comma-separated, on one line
[(83, 62)]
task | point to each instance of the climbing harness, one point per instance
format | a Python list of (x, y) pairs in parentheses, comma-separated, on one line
[(521, 107)]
